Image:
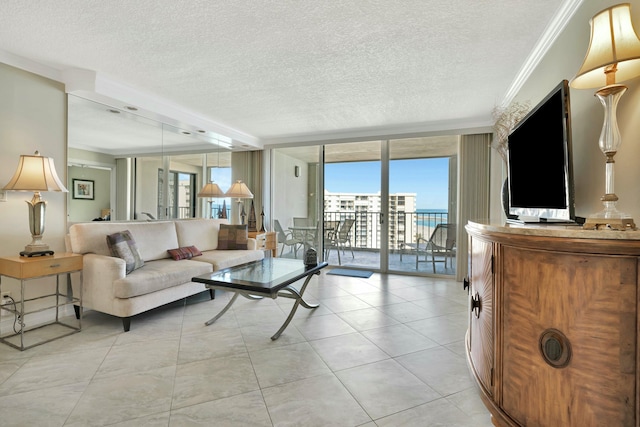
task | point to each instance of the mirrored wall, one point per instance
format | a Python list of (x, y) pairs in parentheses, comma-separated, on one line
[(123, 166)]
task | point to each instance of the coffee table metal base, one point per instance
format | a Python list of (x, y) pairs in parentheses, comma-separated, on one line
[(287, 292)]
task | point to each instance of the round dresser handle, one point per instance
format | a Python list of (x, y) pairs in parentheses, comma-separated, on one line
[(555, 348)]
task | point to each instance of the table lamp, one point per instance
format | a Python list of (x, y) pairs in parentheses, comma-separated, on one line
[(613, 56), (36, 173), (211, 190), (240, 191)]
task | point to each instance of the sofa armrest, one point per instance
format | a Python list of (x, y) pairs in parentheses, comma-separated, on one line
[(98, 274), (252, 244)]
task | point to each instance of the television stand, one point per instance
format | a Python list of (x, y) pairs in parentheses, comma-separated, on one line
[(540, 295)]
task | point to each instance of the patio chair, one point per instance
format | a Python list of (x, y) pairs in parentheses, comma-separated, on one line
[(341, 238), (287, 239), (330, 230), (441, 244), (305, 230)]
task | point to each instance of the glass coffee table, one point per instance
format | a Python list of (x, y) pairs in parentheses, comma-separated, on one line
[(269, 277)]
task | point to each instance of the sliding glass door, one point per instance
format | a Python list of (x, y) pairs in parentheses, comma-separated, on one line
[(381, 203), (422, 205), (354, 204)]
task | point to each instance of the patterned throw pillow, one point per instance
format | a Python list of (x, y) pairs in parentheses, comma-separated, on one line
[(232, 236), (185, 252), (123, 246)]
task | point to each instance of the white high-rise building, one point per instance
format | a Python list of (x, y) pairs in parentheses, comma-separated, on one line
[(365, 208)]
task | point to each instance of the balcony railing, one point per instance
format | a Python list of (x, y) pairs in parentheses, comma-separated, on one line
[(404, 227), (365, 234)]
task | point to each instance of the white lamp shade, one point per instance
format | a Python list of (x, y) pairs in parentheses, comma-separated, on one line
[(35, 173), (613, 41), (211, 189), (240, 190)]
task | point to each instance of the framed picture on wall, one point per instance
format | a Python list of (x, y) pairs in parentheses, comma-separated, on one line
[(83, 189)]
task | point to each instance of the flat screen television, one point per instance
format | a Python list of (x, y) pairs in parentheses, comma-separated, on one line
[(539, 162)]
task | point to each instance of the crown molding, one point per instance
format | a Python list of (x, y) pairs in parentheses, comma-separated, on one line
[(29, 65), (548, 38), (443, 127)]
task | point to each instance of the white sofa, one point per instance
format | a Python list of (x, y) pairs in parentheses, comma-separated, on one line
[(108, 289)]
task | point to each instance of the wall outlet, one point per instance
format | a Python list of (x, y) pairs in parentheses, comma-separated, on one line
[(3, 301)]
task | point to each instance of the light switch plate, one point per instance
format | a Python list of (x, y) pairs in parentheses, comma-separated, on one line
[(3, 196)]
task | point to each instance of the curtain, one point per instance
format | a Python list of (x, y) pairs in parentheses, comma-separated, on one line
[(473, 193)]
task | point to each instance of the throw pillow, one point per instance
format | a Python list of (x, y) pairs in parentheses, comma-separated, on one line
[(185, 252), (232, 236), (123, 246)]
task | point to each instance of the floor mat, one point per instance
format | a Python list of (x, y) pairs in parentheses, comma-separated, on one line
[(350, 273)]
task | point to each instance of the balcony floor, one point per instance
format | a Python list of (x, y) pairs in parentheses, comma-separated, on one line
[(370, 259)]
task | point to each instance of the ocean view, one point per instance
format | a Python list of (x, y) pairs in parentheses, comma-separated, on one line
[(427, 219), (431, 217)]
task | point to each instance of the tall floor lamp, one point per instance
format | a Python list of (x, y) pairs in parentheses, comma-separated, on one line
[(36, 173), (240, 191), (613, 56)]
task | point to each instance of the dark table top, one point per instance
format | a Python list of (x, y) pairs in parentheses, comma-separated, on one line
[(264, 277)]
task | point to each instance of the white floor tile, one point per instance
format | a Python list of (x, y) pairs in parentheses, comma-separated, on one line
[(388, 350)]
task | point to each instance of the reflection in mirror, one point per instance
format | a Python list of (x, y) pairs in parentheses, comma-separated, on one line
[(90, 193), (142, 169), (186, 178), (218, 171)]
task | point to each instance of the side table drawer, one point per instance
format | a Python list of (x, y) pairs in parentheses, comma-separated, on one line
[(27, 268), (271, 241), (24, 269)]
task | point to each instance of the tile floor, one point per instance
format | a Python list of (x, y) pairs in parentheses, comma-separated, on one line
[(383, 351)]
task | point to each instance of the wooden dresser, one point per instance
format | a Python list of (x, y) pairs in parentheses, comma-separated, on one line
[(553, 324)]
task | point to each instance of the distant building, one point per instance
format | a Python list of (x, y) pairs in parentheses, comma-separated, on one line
[(365, 208)]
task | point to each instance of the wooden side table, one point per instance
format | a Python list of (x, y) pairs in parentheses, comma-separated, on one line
[(25, 269), (267, 240)]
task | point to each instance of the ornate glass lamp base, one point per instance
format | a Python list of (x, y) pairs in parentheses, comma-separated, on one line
[(597, 223), (610, 218)]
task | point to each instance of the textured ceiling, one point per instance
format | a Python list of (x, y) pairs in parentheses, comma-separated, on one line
[(281, 70)]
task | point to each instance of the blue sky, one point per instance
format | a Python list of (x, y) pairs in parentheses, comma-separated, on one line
[(428, 178)]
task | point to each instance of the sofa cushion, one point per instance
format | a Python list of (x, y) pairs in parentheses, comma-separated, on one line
[(201, 233), (222, 259), (152, 238), (158, 275), (185, 252), (122, 245), (232, 237)]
